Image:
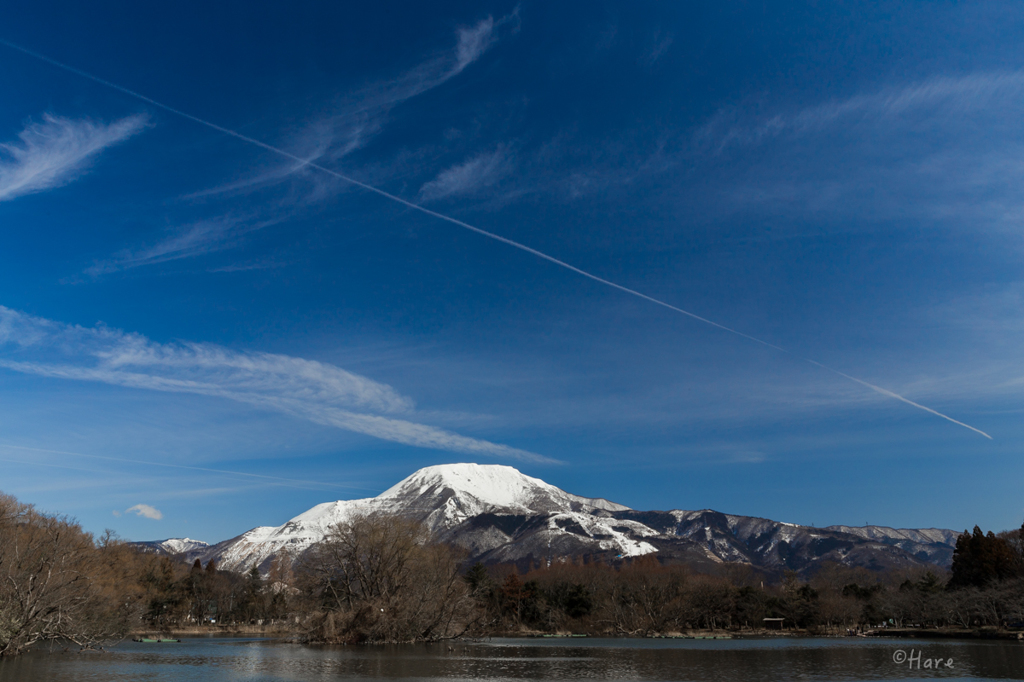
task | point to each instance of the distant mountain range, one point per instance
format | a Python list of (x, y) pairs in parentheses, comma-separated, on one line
[(501, 515)]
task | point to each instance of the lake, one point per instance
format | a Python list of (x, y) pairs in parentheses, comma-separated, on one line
[(262, 660)]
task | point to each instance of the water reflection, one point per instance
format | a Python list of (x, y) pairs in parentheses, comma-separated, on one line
[(515, 659)]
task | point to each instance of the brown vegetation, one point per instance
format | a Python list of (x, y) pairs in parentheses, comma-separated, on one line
[(57, 584), (384, 579), (643, 597), (380, 578)]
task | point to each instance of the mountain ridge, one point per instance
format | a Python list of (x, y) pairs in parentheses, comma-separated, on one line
[(498, 514)]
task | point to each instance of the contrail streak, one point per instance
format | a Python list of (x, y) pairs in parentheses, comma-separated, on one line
[(467, 226), (897, 396)]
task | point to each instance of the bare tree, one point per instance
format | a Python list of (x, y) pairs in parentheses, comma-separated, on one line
[(55, 583), (710, 601), (646, 597), (382, 578)]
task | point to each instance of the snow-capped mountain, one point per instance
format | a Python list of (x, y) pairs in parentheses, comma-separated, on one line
[(443, 497), (501, 515), (175, 546)]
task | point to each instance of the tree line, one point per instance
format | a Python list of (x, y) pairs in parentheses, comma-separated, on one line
[(382, 578), (61, 584), (58, 583)]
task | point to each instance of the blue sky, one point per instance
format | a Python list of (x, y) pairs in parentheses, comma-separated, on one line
[(199, 334)]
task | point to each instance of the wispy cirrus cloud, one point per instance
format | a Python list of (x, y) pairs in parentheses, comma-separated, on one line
[(306, 389), (482, 170), (355, 120), (939, 95), (197, 239), (361, 115), (56, 150), (946, 150), (332, 137), (659, 45), (472, 42)]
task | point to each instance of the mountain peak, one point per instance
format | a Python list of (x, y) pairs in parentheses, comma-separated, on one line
[(476, 488), (441, 496), (174, 546)]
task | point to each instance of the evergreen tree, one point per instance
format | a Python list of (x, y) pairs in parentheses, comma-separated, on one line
[(253, 599), (477, 578), (980, 559)]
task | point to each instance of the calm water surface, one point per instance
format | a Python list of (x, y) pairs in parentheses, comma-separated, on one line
[(256, 660)]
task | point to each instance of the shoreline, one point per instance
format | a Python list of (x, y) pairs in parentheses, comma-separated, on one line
[(282, 631), (948, 633)]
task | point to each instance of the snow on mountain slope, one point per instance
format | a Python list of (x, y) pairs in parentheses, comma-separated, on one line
[(497, 514), (472, 489), (526, 540), (774, 545), (259, 545), (440, 496), (884, 533), (182, 545)]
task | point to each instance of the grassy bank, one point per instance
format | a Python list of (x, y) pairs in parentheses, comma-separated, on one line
[(274, 630), (948, 633)]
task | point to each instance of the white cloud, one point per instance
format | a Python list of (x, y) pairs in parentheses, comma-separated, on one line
[(473, 42), (55, 151), (945, 151), (942, 94), (469, 176), (975, 91), (205, 236), (315, 391), (330, 138), (995, 313), (144, 510), (196, 239), (360, 115), (357, 118)]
